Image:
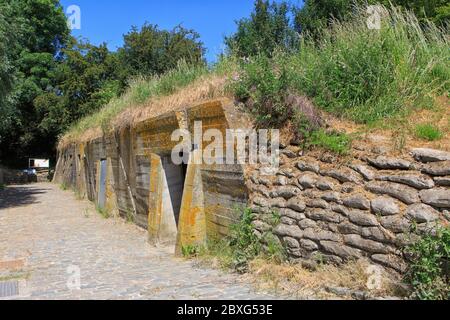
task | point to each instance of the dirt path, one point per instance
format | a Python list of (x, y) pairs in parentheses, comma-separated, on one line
[(48, 238)]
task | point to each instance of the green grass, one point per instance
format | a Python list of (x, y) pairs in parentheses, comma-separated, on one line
[(16, 276), (353, 72), (339, 143), (139, 92), (367, 75), (130, 218), (428, 132), (242, 246)]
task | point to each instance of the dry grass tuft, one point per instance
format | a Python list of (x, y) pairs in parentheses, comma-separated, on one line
[(294, 280), (206, 88)]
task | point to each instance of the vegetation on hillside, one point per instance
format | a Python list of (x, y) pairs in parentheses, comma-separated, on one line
[(367, 75), (140, 90), (352, 71)]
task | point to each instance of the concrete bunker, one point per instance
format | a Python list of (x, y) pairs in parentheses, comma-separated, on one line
[(129, 173)]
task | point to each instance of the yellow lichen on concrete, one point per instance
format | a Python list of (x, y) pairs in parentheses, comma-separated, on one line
[(155, 199), (192, 222)]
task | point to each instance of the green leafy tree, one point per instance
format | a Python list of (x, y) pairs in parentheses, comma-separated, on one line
[(85, 79), (318, 14), (269, 27), (436, 10), (5, 63), (37, 30), (151, 51)]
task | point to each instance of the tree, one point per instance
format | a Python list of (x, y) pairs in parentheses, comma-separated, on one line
[(85, 79), (5, 64), (49, 80), (318, 14), (151, 51), (38, 31), (269, 27)]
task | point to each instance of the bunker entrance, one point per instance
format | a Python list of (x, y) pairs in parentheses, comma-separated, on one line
[(102, 185), (173, 186)]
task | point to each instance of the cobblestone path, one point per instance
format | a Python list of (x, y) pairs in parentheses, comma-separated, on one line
[(47, 236)]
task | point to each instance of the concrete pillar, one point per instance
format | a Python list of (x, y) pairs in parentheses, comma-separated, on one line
[(192, 224)]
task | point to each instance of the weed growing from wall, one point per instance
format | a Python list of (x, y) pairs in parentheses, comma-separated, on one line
[(429, 270), (103, 212)]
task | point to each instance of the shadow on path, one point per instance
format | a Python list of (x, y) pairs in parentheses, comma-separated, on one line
[(19, 196)]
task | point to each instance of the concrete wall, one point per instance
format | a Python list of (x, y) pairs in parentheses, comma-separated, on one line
[(136, 185)]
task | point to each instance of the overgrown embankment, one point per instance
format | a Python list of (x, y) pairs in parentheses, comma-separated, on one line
[(373, 77)]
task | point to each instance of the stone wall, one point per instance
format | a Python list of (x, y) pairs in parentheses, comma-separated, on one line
[(365, 205)]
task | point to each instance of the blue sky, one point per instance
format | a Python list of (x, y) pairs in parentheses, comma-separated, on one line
[(107, 20)]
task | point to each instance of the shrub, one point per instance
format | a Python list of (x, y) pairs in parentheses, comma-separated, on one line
[(263, 86), (244, 243), (242, 246), (429, 269), (353, 72), (428, 132), (2, 187)]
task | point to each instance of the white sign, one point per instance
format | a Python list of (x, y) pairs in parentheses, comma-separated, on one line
[(39, 163)]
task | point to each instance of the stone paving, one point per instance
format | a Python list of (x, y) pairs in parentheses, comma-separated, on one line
[(56, 236)]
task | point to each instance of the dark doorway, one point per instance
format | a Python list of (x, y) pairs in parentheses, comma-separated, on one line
[(175, 177), (102, 185)]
